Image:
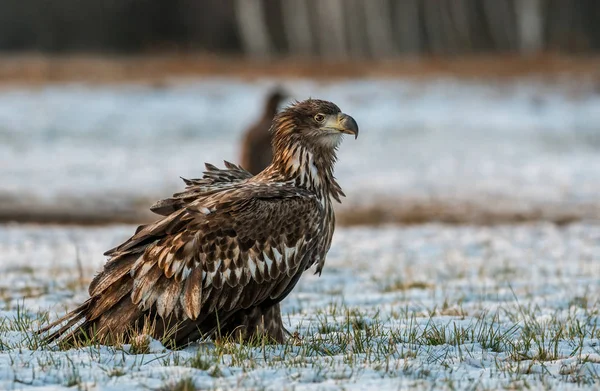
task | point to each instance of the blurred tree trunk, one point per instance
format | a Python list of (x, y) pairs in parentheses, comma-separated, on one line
[(355, 28), (591, 25), (408, 26), (273, 14), (500, 17), (459, 18), (253, 28), (529, 25), (481, 36), (379, 28), (332, 35), (560, 18), (213, 31), (433, 24), (296, 19), (448, 26)]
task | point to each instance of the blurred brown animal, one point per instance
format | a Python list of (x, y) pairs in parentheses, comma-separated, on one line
[(256, 146)]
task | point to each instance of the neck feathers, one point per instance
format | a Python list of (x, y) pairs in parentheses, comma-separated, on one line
[(308, 169), (309, 166)]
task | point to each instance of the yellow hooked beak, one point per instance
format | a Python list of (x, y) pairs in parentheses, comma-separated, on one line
[(342, 123)]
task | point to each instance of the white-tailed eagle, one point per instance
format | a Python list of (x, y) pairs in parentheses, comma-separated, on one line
[(229, 248)]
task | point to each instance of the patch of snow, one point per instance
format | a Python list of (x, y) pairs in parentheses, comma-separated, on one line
[(521, 142), (382, 284)]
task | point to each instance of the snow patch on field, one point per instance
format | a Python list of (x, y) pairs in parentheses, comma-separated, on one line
[(521, 143), (431, 306)]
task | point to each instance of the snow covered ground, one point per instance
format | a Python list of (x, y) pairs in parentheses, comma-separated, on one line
[(432, 306), (525, 145)]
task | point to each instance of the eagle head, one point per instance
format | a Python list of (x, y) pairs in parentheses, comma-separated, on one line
[(316, 125)]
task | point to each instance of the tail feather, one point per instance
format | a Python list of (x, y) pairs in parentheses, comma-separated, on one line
[(111, 297), (73, 318), (113, 271), (112, 311), (120, 320), (114, 322)]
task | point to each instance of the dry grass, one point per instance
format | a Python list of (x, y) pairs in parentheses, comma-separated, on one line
[(408, 211), (34, 69), (422, 211)]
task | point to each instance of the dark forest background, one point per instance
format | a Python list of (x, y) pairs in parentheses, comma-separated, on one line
[(315, 28)]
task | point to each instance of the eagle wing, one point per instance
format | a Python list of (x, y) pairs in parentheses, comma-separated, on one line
[(227, 251), (214, 179)]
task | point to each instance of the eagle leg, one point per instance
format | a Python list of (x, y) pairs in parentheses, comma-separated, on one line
[(256, 323)]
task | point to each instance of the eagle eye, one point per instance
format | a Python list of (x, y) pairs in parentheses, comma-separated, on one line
[(319, 117)]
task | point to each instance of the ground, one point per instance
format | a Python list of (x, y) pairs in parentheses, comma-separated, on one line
[(430, 306), (506, 298)]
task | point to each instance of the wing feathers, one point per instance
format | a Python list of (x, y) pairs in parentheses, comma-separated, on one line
[(165, 304), (214, 179), (234, 296), (191, 300), (250, 295), (144, 285), (239, 253)]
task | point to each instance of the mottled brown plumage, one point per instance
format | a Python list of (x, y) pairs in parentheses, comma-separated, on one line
[(256, 152), (229, 248)]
